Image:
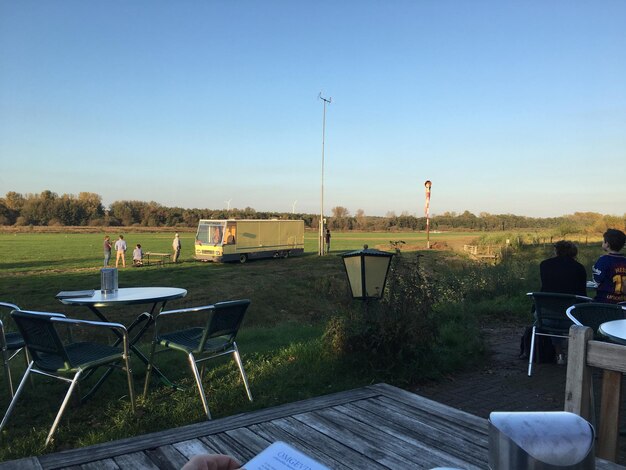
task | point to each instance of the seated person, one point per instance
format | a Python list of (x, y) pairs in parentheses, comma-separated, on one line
[(217, 236), (230, 239), (610, 269), (137, 256), (562, 273)]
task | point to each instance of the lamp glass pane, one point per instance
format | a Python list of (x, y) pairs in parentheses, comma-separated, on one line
[(353, 268), (375, 272)]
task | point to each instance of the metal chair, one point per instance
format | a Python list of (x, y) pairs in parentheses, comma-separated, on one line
[(550, 317), (216, 337), (52, 357), (11, 343), (594, 314)]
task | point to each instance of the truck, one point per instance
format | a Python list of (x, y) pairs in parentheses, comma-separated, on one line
[(234, 240)]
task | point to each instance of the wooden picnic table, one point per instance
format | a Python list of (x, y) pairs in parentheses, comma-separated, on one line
[(158, 258), (374, 427)]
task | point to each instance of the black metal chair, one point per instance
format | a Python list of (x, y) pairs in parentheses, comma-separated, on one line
[(11, 343), (216, 337), (55, 358), (550, 317), (593, 314)]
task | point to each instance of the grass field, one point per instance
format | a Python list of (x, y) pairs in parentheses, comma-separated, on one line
[(31, 252), (281, 340)]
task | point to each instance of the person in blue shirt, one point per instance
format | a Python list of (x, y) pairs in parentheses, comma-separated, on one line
[(610, 269)]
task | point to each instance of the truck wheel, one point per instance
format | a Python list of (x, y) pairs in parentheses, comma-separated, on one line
[(285, 254), (243, 258)]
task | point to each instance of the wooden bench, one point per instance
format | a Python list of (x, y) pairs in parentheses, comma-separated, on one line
[(157, 258), (583, 354)]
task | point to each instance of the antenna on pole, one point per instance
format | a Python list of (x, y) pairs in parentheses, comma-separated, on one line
[(293, 207), (228, 205), (321, 224)]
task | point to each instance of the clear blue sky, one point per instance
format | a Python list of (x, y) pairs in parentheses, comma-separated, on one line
[(507, 106)]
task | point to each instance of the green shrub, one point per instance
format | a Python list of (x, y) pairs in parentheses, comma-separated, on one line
[(395, 333)]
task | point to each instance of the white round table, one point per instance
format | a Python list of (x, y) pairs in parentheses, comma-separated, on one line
[(615, 330)]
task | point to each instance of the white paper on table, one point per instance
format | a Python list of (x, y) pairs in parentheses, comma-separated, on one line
[(281, 456)]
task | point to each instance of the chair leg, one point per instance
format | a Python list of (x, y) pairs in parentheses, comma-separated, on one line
[(149, 369), (7, 371), (63, 406), (16, 396), (532, 352), (28, 361), (131, 385), (243, 372), (196, 374)]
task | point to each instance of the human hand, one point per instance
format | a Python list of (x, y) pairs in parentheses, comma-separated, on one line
[(211, 462)]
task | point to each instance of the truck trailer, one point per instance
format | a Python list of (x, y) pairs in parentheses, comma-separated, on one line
[(241, 240)]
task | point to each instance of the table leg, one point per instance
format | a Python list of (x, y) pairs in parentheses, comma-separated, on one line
[(148, 320)]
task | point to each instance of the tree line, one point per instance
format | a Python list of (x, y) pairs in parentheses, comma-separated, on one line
[(86, 209)]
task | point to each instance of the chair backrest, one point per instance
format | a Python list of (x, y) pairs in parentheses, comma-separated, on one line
[(5, 307), (40, 335), (552, 306), (8, 308), (594, 314), (225, 320)]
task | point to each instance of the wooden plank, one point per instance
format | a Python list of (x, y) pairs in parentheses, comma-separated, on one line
[(452, 426), (104, 464), (578, 381), (228, 446), (166, 457), (364, 439), (204, 428), (422, 403), (28, 463), (452, 448), (608, 433), (136, 460), (326, 451), (606, 356), (193, 447), (253, 442)]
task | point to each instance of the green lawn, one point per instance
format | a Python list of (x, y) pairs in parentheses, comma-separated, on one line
[(281, 339)]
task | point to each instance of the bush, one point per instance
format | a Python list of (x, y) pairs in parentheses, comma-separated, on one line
[(396, 334)]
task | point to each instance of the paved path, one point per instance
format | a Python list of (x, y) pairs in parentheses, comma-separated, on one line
[(502, 383)]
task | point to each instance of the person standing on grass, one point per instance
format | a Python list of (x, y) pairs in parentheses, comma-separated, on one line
[(327, 240), (120, 248), (107, 250), (610, 269), (176, 245)]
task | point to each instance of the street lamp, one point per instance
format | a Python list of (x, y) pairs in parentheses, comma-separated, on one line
[(321, 224), (367, 272)]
